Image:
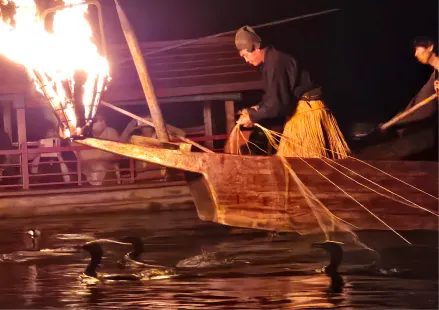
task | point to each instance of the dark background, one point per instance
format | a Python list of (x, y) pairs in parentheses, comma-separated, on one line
[(362, 54)]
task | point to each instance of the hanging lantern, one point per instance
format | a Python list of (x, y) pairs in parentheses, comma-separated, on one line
[(64, 63)]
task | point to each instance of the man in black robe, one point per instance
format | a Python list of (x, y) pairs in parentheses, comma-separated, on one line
[(425, 53), (310, 129)]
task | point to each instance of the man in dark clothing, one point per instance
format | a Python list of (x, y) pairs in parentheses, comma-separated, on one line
[(310, 129), (425, 53)]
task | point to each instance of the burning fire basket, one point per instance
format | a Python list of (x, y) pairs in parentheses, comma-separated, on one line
[(69, 71)]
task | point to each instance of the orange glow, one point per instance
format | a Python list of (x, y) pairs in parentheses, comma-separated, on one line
[(53, 59)]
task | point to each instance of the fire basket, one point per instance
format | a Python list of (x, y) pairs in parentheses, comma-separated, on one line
[(75, 98), (65, 65)]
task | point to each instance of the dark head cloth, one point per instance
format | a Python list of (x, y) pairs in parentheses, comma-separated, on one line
[(246, 38)]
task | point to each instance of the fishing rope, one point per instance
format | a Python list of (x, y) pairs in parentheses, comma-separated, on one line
[(410, 203), (108, 241), (407, 203), (270, 135), (310, 198), (366, 163), (184, 43), (347, 194), (274, 143), (289, 169), (350, 170), (308, 194)]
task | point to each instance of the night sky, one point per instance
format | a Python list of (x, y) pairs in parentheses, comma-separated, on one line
[(362, 55)]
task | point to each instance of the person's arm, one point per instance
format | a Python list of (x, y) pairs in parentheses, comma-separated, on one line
[(125, 136), (277, 91)]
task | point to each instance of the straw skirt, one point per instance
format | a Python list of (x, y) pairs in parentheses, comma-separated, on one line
[(312, 132)]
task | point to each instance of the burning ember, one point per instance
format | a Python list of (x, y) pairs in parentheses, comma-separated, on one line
[(63, 62)]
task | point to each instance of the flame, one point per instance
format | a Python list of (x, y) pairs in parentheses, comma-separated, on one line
[(55, 60)]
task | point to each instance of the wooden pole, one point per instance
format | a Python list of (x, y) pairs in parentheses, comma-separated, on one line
[(407, 112), (142, 71), (230, 116), (208, 128), (22, 143), (7, 119), (171, 129)]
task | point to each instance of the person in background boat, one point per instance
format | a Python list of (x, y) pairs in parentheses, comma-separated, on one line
[(6, 144), (136, 127), (310, 129), (95, 163), (427, 54), (425, 51), (101, 130), (143, 169)]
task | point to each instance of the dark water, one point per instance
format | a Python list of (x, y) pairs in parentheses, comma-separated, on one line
[(237, 269)]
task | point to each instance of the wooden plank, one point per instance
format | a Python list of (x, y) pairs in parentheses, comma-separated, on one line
[(7, 119), (230, 115), (256, 192), (22, 142), (133, 92), (208, 127), (151, 142), (200, 71), (102, 199), (146, 120), (142, 70)]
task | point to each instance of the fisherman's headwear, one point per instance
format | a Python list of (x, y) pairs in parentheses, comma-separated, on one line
[(246, 38)]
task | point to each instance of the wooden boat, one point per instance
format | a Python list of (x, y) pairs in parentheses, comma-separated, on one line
[(258, 192)]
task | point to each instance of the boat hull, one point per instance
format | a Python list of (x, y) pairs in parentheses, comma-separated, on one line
[(258, 192)]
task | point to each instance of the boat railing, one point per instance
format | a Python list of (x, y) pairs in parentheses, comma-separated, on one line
[(36, 167)]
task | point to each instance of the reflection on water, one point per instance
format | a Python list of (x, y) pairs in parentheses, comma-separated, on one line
[(220, 267)]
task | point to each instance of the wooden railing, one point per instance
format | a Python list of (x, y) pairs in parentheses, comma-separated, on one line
[(20, 174)]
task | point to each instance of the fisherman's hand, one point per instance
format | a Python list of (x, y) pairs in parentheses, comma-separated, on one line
[(243, 111), (244, 120), (132, 124), (255, 107), (436, 85)]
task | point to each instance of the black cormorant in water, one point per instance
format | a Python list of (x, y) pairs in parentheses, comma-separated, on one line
[(335, 252), (133, 258), (90, 274), (413, 261)]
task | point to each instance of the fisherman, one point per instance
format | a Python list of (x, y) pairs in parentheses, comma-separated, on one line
[(310, 129), (95, 163), (102, 131), (425, 51), (143, 169)]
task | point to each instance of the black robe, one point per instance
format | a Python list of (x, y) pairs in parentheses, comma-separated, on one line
[(284, 84), (427, 111)]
